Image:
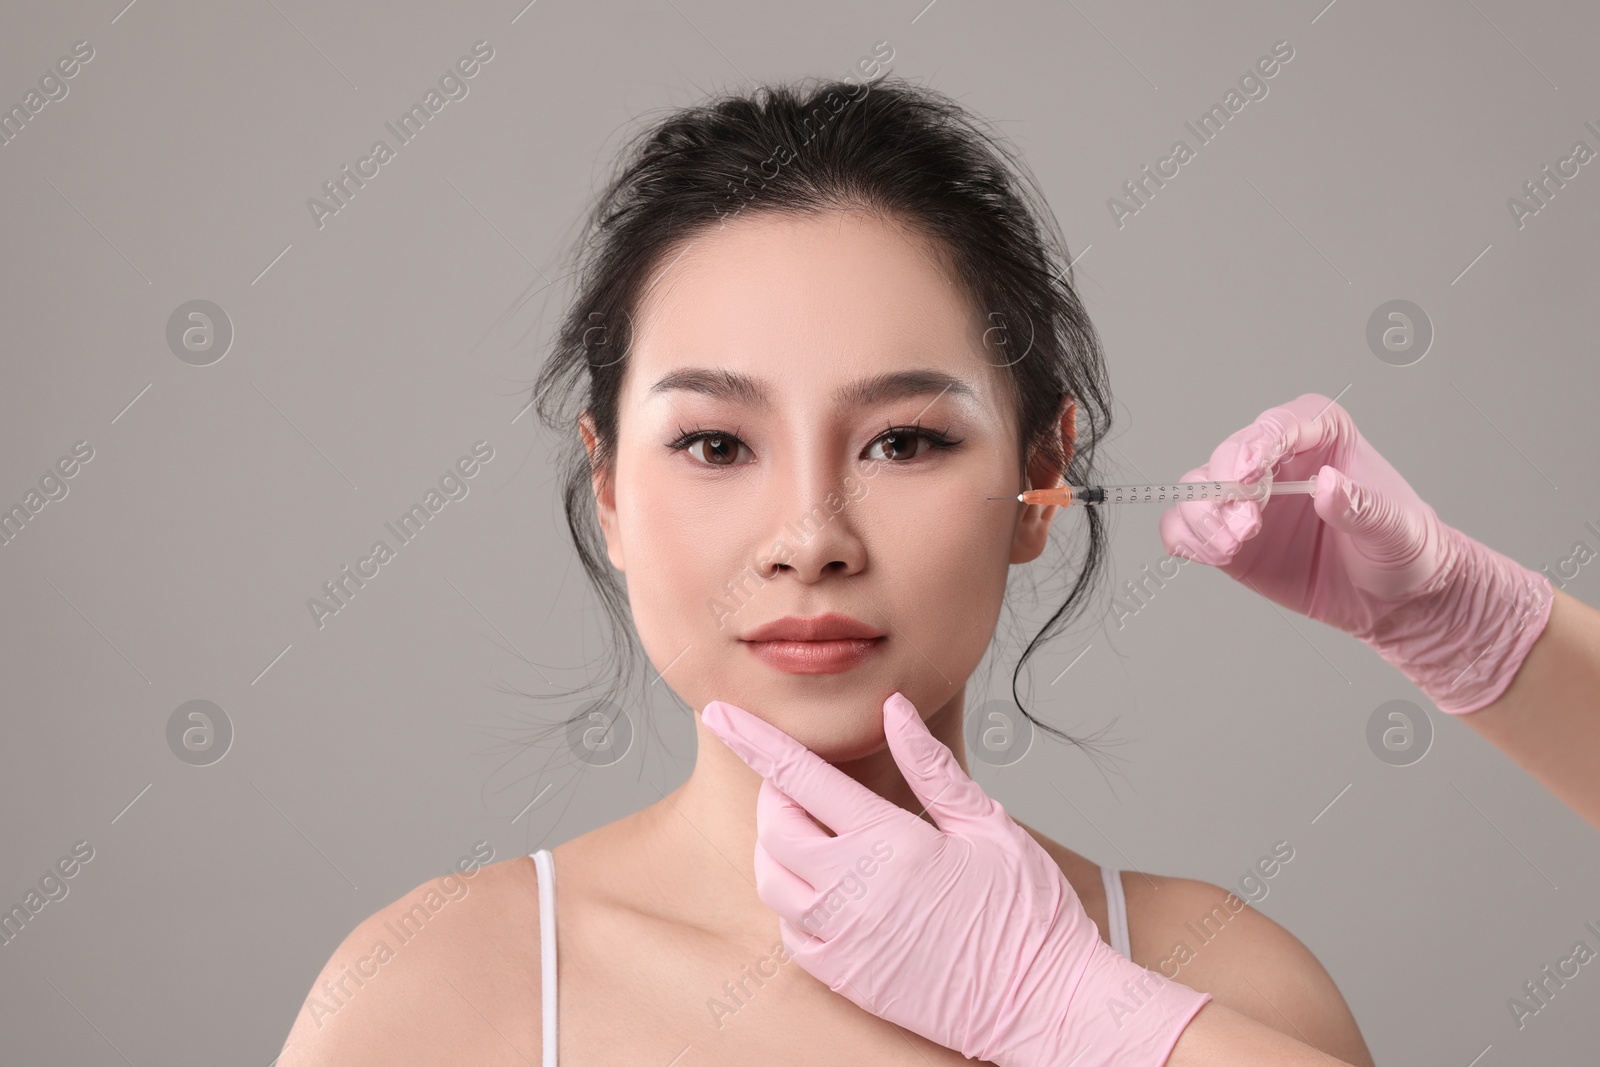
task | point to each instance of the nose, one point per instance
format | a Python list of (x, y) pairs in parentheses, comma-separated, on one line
[(817, 523)]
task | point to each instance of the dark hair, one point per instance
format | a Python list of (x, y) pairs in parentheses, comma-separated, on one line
[(907, 153)]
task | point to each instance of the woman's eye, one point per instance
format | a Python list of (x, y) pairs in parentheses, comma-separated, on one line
[(713, 448), (900, 445), (716, 449)]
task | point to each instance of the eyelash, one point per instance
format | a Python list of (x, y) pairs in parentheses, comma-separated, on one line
[(937, 439)]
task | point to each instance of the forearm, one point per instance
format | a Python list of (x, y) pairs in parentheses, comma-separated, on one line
[(1221, 1037), (1548, 719), (1499, 646)]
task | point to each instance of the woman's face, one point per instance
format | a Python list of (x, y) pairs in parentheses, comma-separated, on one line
[(809, 425)]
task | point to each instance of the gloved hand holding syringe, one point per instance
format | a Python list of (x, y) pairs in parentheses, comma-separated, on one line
[(1368, 557)]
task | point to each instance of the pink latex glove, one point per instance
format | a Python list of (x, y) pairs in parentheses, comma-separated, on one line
[(966, 932), (1365, 555)]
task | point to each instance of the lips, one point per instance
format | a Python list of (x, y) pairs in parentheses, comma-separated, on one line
[(824, 644), (830, 627)]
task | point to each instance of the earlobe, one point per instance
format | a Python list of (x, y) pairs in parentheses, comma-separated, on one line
[(1032, 533)]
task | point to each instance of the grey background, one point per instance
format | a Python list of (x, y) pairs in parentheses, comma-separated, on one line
[(370, 755)]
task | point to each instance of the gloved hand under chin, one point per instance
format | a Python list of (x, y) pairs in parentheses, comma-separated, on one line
[(965, 932), (1364, 554)]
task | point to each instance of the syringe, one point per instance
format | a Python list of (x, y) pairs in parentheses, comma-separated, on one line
[(1172, 493)]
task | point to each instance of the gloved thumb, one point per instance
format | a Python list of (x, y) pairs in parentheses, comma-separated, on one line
[(1387, 531), (931, 769)]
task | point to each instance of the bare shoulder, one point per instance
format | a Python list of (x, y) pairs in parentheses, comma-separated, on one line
[(1212, 940), (448, 973)]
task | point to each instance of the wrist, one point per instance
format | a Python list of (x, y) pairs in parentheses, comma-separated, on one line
[(1110, 1012), (1462, 641)]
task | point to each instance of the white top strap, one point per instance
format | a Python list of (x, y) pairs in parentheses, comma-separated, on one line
[(1116, 910), (544, 862)]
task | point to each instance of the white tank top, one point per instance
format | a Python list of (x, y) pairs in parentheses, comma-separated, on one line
[(545, 864)]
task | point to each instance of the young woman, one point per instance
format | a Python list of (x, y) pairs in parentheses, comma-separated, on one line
[(815, 328)]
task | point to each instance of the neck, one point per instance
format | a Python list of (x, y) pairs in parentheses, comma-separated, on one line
[(705, 830)]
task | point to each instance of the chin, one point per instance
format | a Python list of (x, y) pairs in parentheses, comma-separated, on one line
[(853, 739), (839, 724)]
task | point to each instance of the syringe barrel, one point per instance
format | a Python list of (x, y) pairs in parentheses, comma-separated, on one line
[(1178, 492)]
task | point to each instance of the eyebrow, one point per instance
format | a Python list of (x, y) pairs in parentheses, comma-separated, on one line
[(743, 389)]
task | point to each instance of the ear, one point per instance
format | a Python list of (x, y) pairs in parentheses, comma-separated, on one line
[(605, 500), (1033, 527)]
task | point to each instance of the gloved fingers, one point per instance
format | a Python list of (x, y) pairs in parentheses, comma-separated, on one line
[(1286, 442), (1289, 441), (1232, 460), (836, 912), (931, 769), (838, 801), (1177, 539), (1310, 425), (791, 836), (801, 946), (780, 888), (1200, 529)]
